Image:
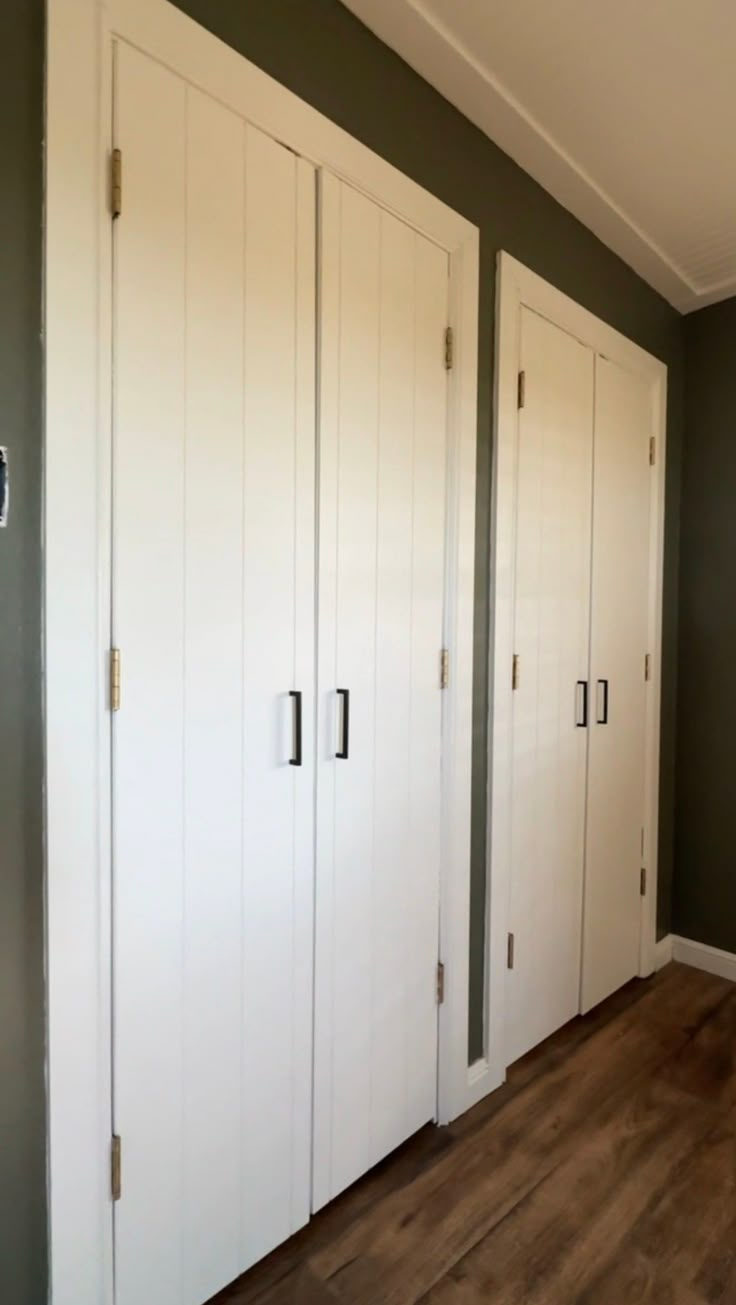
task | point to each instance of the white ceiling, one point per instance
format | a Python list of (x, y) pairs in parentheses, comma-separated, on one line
[(624, 110)]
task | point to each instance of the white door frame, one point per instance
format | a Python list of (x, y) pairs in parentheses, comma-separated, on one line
[(517, 286), (78, 250)]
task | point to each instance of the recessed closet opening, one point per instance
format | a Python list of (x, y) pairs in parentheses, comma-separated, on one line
[(576, 602)]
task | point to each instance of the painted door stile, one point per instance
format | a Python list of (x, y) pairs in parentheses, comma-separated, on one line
[(213, 601), (382, 504), (552, 618), (616, 812)]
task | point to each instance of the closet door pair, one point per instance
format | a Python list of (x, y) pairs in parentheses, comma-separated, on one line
[(276, 752), (582, 579)]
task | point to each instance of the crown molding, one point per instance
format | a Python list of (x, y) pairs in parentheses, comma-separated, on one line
[(432, 50)]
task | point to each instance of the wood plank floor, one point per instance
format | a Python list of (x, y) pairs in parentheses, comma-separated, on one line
[(602, 1173)]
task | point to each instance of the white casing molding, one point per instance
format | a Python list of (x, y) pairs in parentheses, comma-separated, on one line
[(517, 285), (702, 957), (78, 251)]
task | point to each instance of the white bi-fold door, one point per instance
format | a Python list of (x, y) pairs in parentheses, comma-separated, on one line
[(620, 581), (582, 577), (384, 301), (246, 1091), (551, 637), (213, 610)]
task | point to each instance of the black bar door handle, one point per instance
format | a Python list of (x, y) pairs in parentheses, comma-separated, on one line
[(343, 752), (582, 724), (602, 716), (295, 694)]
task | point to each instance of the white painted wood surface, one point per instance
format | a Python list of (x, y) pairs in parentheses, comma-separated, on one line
[(78, 404), (381, 583), (559, 886), (520, 288), (213, 563), (616, 812), (552, 615)]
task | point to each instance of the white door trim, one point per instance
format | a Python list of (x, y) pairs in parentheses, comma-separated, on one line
[(77, 534), (518, 286)]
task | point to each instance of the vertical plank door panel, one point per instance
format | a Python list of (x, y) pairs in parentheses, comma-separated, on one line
[(355, 670), (620, 588), (391, 901), (327, 744), (555, 447), (148, 624), (381, 567), (213, 692), (277, 906), (213, 607)]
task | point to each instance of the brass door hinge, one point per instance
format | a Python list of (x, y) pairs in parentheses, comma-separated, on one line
[(652, 451), (643, 882), (114, 679), (116, 1185), (444, 668), (449, 349), (521, 390), (648, 667), (116, 183), (515, 672), (440, 983), (510, 952)]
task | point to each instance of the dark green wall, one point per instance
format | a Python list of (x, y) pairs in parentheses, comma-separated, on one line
[(320, 51), (22, 1142), (704, 904)]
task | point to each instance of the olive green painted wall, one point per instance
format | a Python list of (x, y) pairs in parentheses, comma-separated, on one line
[(704, 905), (22, 1122), (320, 51)]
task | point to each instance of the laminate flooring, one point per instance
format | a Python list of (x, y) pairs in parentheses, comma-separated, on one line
[(602, 1173)]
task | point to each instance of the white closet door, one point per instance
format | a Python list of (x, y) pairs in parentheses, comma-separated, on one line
[(381, 577), (555, 448), (620, 586), (213, 611)]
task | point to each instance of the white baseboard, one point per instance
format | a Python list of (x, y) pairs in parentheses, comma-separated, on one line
[(663, 952), (702, 957)]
